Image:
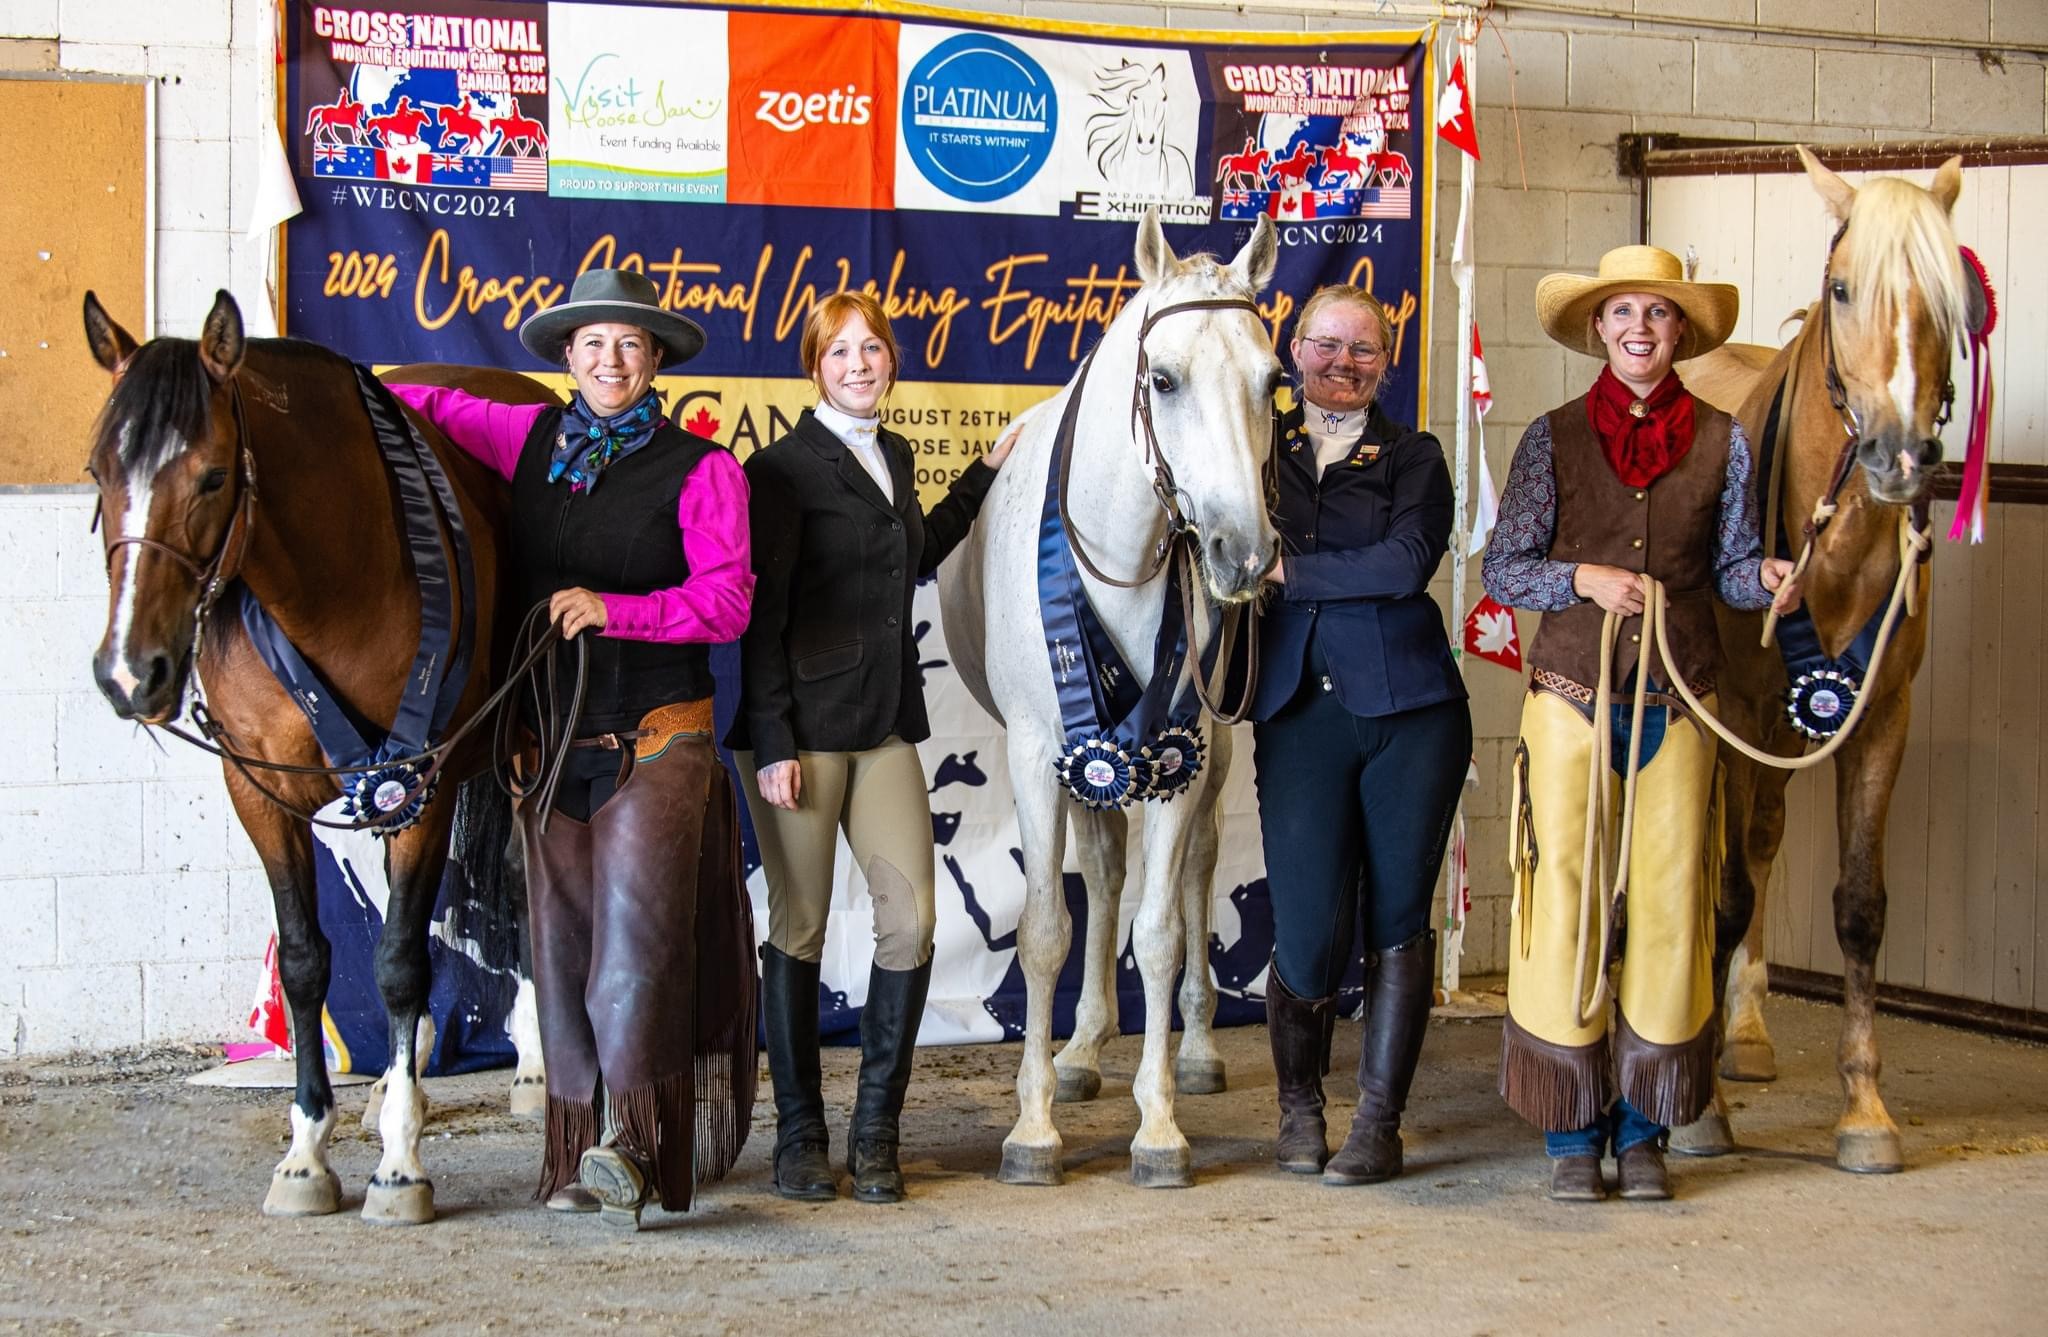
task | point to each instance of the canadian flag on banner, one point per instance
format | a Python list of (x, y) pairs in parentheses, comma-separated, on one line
[(1454, 111), (1490, 633)]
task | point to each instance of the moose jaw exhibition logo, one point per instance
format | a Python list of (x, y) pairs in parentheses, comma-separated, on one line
[(979, 117)]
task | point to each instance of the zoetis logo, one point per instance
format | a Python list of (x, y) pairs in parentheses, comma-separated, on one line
[(791, 112), (812, 105), (979, 117)]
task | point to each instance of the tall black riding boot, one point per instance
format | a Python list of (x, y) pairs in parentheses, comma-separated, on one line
[(888, 1043), (1297, 1028), (1397, 1002), (803, 1162)]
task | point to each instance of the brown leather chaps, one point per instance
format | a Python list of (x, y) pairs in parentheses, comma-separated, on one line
[(643, 956)]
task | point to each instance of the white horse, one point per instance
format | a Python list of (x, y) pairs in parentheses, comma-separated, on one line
[(1210, 372)]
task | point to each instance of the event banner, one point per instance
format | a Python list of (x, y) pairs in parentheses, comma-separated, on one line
[(462, 162)]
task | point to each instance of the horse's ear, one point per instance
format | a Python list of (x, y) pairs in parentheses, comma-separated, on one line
[(1155, 258), (220, 340), (1837, 193), (110, 344), (1948, 183), (1260, 255)]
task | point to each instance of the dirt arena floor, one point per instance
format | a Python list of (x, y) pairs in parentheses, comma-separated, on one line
[(131, 1206)]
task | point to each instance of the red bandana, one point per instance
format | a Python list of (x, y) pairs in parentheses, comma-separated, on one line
[(1642, 438)]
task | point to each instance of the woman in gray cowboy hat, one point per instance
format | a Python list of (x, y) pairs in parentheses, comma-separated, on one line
[(635, 534)]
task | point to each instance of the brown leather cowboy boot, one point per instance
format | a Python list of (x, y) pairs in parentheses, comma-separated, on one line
[(1398, 999), (1297, 1028)]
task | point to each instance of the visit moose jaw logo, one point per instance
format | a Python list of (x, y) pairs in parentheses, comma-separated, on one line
[(791, 112)]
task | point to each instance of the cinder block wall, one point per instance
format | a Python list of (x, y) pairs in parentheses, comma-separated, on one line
[(131, 908)]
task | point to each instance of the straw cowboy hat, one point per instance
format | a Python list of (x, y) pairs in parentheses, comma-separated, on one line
[(1566, 303), (612, 296)]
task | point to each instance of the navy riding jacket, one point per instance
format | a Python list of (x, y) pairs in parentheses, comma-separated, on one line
[(1361, 542)]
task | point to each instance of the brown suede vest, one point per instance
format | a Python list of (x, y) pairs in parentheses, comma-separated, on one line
[(1668, 529)]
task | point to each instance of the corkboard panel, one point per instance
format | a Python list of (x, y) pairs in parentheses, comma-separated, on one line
[(76, 216)]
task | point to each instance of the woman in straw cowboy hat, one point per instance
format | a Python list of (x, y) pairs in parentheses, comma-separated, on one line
[(635, 533), (1633, 482)]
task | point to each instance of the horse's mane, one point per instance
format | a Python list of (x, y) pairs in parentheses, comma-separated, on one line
[(1899, 240), (1107, 128), (160, 403)]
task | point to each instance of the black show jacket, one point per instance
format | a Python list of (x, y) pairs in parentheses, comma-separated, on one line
[(828, 663), (1361, 543)]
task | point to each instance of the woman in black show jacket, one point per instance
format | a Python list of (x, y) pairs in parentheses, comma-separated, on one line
[(1363, 734), (832, 706)]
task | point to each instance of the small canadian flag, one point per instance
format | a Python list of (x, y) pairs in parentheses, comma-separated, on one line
[(1490, 634), (1454, 111)]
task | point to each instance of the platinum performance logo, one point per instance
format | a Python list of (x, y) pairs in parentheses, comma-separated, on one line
[(979, 117)]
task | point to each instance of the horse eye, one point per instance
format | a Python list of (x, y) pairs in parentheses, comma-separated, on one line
[(1839, 290), (1162, 383), (215, 480)]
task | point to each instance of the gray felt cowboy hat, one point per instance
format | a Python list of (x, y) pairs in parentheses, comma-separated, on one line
[(612, 296)]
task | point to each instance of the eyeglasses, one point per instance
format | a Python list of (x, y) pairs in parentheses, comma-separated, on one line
[(1360, 352)]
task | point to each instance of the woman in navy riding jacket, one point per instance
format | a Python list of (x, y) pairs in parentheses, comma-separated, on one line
[(1363, 735)]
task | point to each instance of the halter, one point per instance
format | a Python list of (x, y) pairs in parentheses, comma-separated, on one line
[(1168, 494)]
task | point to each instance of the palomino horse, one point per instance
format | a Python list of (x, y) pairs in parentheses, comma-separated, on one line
[(1208, 371), (231, 461), (1894, 300)]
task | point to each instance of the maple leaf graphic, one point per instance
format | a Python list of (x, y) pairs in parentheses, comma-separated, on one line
[(702, 424), (1495, 633)]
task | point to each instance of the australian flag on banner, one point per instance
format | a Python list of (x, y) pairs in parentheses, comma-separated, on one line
[(418, 165)]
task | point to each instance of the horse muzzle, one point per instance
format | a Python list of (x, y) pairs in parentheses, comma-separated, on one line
[(1233, 565), (146, 686), (1899, 468)]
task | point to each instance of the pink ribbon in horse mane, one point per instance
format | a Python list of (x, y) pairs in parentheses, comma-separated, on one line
[(1970, 498)]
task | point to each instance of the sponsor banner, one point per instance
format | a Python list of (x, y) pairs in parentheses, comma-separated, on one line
[(440, 95), (813, 111), (639, 103), (983, 182)]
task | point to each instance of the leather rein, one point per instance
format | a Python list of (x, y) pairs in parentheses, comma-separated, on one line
[(215, 575), (1178, 545)]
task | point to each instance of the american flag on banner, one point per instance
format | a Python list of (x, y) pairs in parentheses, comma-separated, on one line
[(517, 173), (1389, 202)]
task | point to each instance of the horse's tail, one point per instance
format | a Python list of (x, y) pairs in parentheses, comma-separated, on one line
[(491, 864)]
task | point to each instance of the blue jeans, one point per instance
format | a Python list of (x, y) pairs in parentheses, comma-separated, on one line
[(1623, 1127)]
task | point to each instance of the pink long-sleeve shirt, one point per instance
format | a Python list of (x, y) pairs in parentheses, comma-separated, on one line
[(712, 605)]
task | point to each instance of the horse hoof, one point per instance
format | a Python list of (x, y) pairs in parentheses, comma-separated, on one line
[(409, 1204), (1076, 1085), (303, 1195), (1708, 1135), (1749, 1061), (529, 1098), (1031, 1165), (1162, 1167), (1876, 1152), (1198, 1076)]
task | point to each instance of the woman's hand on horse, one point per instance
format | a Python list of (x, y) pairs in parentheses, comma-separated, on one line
[(1778, 579), (781, 782), (575, 610), (1000, 451), (1614, 589), (1276, 574)]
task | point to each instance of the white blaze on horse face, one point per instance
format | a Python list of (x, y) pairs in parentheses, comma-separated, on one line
[(1904, 383), (128, 557)]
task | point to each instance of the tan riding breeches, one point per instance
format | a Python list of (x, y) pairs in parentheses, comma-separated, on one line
[(1554, 1066), (878, 798)]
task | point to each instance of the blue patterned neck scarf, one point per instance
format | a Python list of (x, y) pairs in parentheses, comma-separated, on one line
[(590, 444)]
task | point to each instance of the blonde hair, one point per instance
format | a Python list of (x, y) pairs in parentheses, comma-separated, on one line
[(1334, 293), (829, 316)]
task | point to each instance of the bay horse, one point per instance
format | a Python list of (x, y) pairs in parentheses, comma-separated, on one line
[(1893, 303), (233, 462), (1205, 373)]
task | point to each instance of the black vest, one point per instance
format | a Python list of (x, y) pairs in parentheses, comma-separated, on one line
[(618, 537)]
